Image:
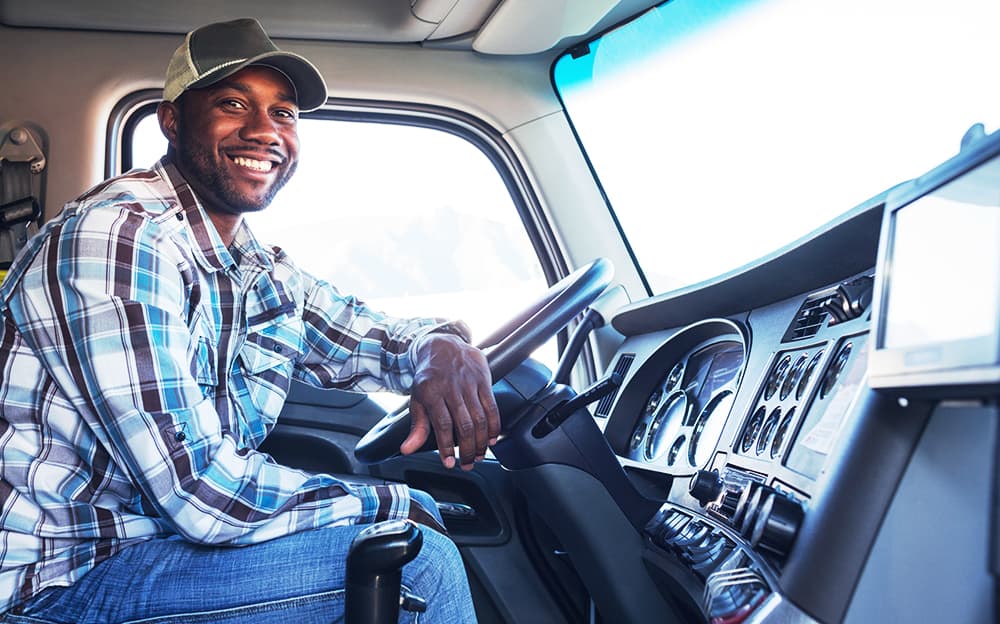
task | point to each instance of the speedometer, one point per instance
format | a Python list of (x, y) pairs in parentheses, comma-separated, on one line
[(708, 428)]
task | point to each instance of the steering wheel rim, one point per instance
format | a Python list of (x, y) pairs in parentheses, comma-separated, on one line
[(505, 348)]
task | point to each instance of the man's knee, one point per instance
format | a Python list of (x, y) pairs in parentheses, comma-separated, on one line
[(438, 562)]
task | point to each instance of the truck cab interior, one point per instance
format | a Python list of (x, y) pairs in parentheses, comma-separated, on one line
[(735, 264)]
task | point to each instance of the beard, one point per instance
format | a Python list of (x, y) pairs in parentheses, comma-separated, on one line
[(211, 183)]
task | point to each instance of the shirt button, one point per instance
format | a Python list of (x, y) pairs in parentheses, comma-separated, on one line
[(180, 436), (180, 216), (277, 348)]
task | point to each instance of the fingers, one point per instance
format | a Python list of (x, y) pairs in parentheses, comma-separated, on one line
[(419, 430), (469, 448), (453, 426), (452, 394), (480, 416), (454, 423), (487, 400), (477, 428)]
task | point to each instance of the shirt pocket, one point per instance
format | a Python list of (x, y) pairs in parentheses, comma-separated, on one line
[(268, 359), (271, 346)]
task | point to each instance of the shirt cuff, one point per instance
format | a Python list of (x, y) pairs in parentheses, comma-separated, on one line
[(390, 501), (453, 328)]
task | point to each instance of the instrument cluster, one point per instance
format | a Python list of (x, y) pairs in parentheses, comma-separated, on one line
[(686, 408)]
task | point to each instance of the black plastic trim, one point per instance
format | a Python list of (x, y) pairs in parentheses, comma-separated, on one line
[(843, 247), (125, 116), (600, 541), (590, 164), (838, 531)]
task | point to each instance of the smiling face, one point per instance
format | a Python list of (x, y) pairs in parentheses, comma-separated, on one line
[(235, 142)]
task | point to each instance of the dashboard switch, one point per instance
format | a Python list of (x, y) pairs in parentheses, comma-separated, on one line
[(706, 486), (777, 525), (728, 504), (850, 301), (746, 508)]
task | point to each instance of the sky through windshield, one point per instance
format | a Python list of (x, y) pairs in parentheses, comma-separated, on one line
[(722, 131)]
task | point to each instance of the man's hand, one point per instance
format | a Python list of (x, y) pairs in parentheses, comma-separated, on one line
[(453, 394)]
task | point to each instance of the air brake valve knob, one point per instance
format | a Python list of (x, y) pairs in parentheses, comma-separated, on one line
[(777, 525), (706, 486)]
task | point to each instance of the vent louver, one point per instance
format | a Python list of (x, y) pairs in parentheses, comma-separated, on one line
[(808, 319), (621, 367)]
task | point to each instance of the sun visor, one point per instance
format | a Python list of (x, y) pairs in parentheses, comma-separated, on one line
[(529, 26)]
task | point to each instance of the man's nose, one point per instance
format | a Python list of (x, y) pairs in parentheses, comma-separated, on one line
[(261, 128)]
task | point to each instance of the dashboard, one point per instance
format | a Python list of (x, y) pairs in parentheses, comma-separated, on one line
[(742, 414), (776, 461)]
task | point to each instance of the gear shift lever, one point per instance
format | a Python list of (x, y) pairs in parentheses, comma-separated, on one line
[(374, 573)]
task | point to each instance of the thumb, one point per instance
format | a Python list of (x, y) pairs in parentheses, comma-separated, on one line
[(420, 429)]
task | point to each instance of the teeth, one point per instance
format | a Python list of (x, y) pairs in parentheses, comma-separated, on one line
[(256, 165)]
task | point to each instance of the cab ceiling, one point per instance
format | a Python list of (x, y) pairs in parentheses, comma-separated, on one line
[(488, 26)]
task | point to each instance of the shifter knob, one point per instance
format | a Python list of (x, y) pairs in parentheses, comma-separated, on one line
[(706, 486), (374, 573)]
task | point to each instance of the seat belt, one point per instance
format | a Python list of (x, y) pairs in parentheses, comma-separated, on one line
[(22, 162)]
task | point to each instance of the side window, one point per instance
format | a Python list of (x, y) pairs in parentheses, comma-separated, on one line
[(413, 220)]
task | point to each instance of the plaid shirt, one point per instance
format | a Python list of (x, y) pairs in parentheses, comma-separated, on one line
[(142, 362)]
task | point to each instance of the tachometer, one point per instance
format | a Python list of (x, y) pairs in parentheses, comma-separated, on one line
[(708, 428), (666, 424)]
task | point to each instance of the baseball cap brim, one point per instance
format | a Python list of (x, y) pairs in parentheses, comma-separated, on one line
[(218, 50), (310, 88)]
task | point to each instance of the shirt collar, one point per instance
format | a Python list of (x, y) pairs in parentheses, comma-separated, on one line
[(212, 252)]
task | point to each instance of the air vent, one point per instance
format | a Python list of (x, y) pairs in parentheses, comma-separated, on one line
[(624, 363), (808, 319)]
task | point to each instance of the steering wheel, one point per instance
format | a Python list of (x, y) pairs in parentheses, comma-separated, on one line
[(505, 349)]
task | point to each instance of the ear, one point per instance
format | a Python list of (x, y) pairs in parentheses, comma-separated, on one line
[(168, 114)]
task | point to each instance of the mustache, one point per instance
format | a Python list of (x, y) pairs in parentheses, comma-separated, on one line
[(271, 151)]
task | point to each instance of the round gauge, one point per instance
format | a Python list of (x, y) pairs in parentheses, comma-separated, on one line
[(708, 428), (767, 430), (674, 378), (777, 377), (675, 450), (800, 390), (752, 429), (654, 400), (836, 368), (793, 377), (779, 435), (666, 424)]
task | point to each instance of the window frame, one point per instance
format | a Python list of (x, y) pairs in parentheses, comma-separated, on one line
[(132, 108)]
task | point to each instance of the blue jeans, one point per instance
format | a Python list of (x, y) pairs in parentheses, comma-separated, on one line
[(298, 578)]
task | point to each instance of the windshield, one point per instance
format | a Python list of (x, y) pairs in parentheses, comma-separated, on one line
[(722, 131)]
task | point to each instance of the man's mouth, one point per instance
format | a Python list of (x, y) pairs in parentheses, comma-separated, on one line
[(263, 166)]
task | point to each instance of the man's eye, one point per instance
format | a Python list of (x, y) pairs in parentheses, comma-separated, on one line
[(233, 104), (285, 114)]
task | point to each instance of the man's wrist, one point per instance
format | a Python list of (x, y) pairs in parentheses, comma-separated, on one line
[(453, 330)]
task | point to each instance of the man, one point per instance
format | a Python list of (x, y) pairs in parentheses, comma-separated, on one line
[(148, 343)]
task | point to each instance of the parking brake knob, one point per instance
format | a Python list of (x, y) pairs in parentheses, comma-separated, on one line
[(706, 486), (374, 571)]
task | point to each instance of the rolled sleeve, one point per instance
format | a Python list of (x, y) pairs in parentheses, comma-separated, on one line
[(353, 347)]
